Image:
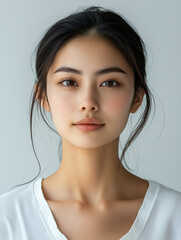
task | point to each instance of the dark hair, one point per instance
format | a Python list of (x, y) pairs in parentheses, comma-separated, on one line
[(104, 23)]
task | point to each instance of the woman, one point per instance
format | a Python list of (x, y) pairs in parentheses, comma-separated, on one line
[(91, 76)]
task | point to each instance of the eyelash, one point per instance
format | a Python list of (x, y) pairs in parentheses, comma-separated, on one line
[(71, 80)]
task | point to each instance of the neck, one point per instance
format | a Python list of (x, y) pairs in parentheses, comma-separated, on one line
[(91, 175)]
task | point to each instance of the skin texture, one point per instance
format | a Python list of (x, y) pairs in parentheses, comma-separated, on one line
[(85, 180)]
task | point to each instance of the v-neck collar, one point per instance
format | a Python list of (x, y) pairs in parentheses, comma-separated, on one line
[(135, 230)]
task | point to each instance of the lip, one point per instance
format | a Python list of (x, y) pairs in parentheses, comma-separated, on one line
[(89, 121), (88, 127)]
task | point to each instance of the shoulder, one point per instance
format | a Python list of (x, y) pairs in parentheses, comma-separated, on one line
[(170, 195), (16, 192), (15, 199), (164, 218), (168, 203), (20, 215)]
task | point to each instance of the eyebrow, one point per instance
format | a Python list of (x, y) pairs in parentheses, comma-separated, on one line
[(99, 72)]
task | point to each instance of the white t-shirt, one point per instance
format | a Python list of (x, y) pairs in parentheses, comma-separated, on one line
[(25, 215)]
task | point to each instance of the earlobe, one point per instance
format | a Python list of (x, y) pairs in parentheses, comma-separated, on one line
[(43, 102), (137, 100)]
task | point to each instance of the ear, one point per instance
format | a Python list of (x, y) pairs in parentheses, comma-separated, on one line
[(44, 102), (137, 100)]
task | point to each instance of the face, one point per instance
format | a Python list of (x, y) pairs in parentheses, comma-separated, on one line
[(74, 96)]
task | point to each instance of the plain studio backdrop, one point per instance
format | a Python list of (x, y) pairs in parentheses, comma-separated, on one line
[(156, 153)]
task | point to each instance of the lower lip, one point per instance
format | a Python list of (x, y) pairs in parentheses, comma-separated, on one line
[(87, 127)]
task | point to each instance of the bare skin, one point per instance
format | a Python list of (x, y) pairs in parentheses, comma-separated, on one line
[(87, 195), (109, 220)]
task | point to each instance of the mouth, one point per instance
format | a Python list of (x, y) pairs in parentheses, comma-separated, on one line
[(90, 124), (89, 127)]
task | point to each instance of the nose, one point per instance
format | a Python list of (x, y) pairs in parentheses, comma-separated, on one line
[(89, 104), (88, 108)]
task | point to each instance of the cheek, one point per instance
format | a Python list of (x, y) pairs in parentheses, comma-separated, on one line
[(61, 110), (62, 105), (117, 106)]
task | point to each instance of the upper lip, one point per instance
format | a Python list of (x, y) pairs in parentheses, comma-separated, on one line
[(90, 121)]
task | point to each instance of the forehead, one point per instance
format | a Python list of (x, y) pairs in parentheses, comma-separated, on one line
[(88, 54)]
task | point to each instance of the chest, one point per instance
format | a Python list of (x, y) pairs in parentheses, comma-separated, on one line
[(80, 224)]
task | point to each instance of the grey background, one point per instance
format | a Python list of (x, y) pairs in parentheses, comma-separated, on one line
[(156, 154)]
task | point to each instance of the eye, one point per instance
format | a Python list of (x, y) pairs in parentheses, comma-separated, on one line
[(67, 80), (71, 81), (111, 81)]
